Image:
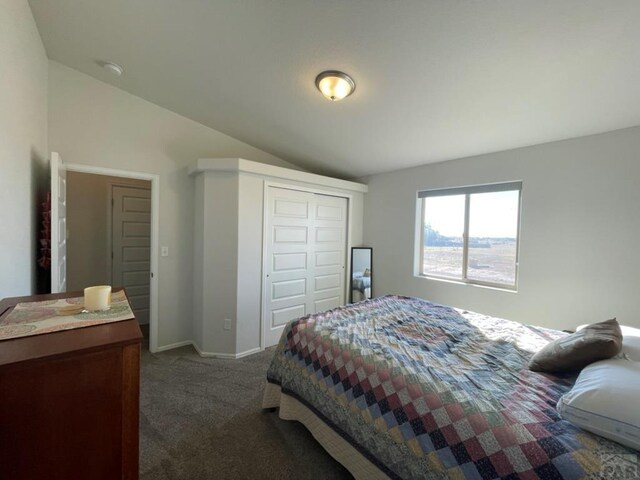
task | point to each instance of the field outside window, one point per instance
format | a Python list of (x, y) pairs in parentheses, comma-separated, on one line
[(470, 234)]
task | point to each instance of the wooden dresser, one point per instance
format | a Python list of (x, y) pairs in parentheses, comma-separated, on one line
[(69, 401)]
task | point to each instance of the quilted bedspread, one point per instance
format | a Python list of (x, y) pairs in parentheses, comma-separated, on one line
[(428, 391)]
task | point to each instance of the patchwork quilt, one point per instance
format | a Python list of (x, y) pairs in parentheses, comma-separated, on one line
[(427, 391)]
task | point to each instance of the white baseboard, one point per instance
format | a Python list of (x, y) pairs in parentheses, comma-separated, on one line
[(171, 346), (232, 356), (246, 353)]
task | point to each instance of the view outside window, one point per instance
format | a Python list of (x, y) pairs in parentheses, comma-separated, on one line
[(493, 237), (443, 241), (491, 225)]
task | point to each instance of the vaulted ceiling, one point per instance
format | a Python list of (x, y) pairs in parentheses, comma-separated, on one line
[(436, 79)]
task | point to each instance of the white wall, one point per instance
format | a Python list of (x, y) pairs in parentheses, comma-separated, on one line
[(217, 198), (579, 258), (23, 145), (93, 123), (250, 234)]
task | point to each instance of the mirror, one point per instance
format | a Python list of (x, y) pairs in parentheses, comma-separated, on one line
[(361, 273)]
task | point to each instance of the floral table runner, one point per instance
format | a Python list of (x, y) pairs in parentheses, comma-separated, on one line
[(35, 318)]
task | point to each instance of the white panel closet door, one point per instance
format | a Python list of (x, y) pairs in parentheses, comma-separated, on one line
[(329, 229), (306, 256)]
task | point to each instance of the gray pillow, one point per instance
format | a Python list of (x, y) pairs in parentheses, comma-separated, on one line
[(594, 342)]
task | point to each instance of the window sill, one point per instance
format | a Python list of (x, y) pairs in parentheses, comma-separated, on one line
[(468, 284)]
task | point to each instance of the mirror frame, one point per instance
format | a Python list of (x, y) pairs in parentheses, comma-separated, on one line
[(351, 271)]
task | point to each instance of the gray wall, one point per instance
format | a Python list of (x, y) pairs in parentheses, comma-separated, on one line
[(579, 258), (217, 199), (23, 146)]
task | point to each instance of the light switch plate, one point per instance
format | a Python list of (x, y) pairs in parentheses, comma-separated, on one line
[(164, 251)]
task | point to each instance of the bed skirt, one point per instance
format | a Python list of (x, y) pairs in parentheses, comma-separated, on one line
[(333, 443)]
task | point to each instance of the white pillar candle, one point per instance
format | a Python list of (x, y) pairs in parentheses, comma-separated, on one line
[(97, 298)]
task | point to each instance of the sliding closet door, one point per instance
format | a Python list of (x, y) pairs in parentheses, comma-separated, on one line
[(305, 257), (289, 252), (329, 228)]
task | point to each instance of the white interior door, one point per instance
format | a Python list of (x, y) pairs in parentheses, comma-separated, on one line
[(131, 246), (58, 225), (305, 257)]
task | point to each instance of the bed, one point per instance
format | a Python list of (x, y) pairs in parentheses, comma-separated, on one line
[(399, 387), (361, 286)]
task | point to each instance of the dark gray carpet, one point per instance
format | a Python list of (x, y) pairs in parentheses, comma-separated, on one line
[(200, 418)]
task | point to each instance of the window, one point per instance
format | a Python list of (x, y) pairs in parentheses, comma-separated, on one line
[(470, 234)]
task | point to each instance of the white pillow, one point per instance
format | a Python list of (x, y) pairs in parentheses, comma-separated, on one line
[(630, 341), (604, 400)]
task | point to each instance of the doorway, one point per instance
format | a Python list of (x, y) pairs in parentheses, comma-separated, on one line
[(112, 229), (109, 236)]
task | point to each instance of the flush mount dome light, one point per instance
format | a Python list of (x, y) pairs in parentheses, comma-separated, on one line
[(113, 68), (335, 85)]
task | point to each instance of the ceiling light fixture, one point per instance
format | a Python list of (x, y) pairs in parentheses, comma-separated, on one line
[(113, 68), (335, 85)]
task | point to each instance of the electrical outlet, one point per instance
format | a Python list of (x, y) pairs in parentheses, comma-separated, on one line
[(164, 251), (227, 324)]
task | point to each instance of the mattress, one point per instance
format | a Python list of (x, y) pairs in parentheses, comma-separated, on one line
[(399, 387), (360, 283)]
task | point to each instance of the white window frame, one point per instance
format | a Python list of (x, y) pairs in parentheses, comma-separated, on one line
[(467, 192)]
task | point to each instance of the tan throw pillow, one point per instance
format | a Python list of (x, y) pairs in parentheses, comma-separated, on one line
[(574, 352), (367, 273)]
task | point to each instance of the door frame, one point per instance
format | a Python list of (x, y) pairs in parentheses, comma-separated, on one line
[(265, 213), (155, 235), (58, 171)]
